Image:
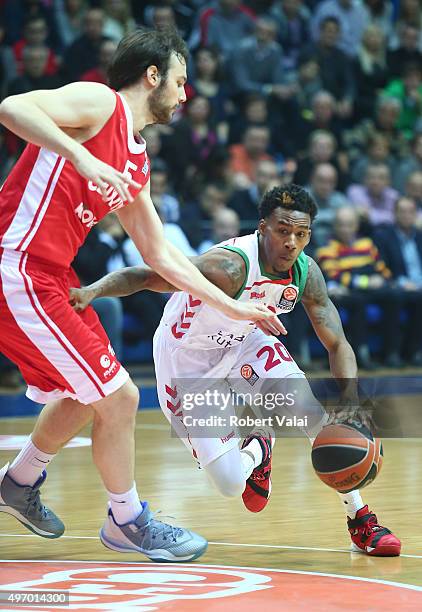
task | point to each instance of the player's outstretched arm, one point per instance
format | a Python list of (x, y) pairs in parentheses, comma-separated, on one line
[(225, 269), (45, 117), (143, 225)]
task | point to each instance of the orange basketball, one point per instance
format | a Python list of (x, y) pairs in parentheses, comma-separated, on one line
[(346, 456)]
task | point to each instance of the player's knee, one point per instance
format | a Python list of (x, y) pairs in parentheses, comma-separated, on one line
[(229, 484), (121, 406)]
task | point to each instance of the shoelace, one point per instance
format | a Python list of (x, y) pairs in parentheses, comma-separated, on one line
[(165, 529), (33, 501), (372, 524)]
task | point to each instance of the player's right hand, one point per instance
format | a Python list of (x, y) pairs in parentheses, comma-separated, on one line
[(103, 175), (264, 318), (80, 298)]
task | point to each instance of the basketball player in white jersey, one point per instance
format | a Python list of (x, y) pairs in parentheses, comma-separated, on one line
[(84, 159), (194, 342)]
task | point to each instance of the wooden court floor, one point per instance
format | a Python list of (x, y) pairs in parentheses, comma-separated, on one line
[(301, 534)]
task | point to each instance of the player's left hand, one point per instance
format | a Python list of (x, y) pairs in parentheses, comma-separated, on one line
[(80, 298)]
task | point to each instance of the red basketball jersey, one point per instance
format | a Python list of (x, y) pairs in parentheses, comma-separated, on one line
[(47, 208)]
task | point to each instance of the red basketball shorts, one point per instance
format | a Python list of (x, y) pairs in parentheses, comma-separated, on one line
[(60, 353)]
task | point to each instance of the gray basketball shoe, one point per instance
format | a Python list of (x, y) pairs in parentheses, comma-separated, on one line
[(24, 503), (159, 541)]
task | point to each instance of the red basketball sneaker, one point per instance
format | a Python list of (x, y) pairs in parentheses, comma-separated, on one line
[(370, 537), (258, 486)]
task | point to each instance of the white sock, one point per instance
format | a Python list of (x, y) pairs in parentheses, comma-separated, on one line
[(29, 464), (126, 507), (352, 502)]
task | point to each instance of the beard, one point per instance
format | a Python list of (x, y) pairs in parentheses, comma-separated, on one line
[(158, 107)]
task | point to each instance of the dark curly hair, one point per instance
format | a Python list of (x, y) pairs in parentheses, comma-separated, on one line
[(291, 197), (141, 49)]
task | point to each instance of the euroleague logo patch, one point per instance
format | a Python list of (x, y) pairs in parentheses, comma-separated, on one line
[(248, 373), (288, 298)]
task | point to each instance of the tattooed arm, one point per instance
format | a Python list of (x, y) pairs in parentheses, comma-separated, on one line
[(327, 325), (225, 269)]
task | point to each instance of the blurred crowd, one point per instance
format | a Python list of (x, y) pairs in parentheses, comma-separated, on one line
[(327, 94)]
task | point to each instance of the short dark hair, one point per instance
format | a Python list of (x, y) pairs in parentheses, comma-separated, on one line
[(141, 49), (290, 197), (330, 19)]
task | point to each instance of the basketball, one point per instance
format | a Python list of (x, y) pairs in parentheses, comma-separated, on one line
[(346, 456)]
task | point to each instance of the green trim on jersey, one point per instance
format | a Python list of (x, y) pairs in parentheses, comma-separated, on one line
[(300, 272), (245, 259)]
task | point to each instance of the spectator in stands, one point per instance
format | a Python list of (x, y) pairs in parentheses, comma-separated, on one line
[(244, 157), (400, 247), (69, 18), (17, 12), (371, 71), (293, 29), (409, 14), (224, 24), (321, 115), (412, 163), (413, 188), (322, 149), (374, 199), (351, 17), (323, 189), (83, 53), (193, 139), (252, 110), (356, 276), (99, 73), (35, 59), (35, 33), (181, 14), (257, 63), (309, 82), (118, 19), (198, 214), (163, 199), (335, 66), (225, 225), (245, 201), (207, 81), (380, 14), (387, 114), (163, 17), (376, 151), (408, 91), (407, 52)]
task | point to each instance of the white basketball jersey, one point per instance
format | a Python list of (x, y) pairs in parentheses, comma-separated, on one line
[(193, 323)]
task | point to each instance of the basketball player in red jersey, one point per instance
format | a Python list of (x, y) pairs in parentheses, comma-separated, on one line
[(84, 159)]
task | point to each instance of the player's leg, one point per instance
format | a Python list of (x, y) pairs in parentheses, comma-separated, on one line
[(219, 456), (77, 361), (58, 423), (270, 367)]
